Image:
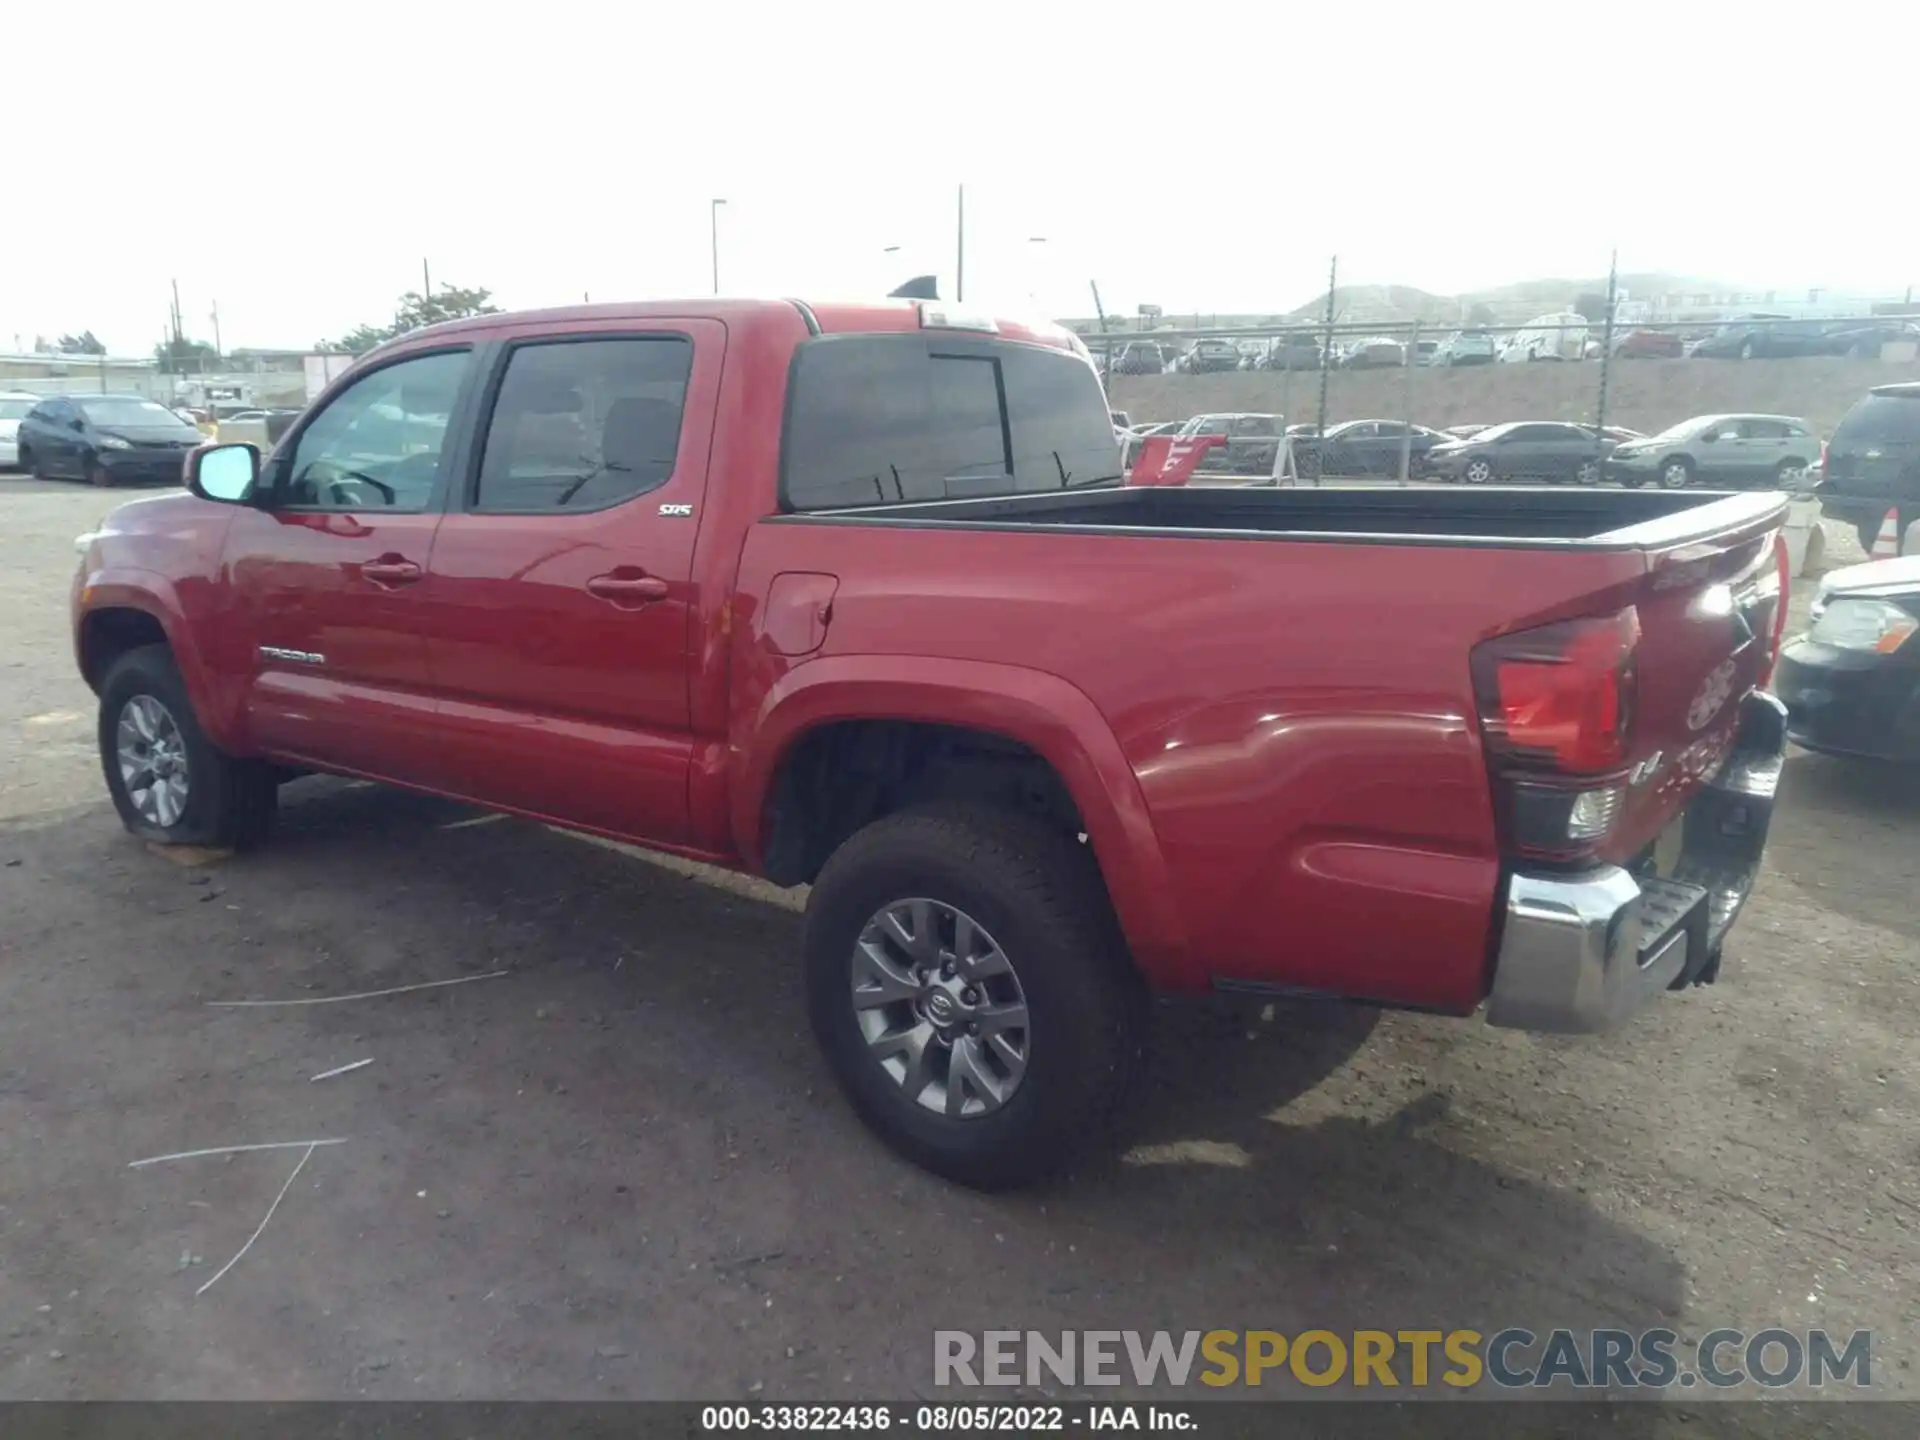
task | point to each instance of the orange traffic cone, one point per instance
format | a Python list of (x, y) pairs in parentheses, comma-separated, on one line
[(1886, 545)]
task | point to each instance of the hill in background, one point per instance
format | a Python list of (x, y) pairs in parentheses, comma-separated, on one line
[(1403, 304)]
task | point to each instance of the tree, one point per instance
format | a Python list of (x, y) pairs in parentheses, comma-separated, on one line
[(450, 302), (1481, 313), (180, 353), (1592, 308), (82, 344)]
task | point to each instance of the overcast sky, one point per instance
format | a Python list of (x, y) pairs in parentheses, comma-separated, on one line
[(295, 162)]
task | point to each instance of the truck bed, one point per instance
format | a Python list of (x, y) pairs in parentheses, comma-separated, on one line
[(1550, 516)]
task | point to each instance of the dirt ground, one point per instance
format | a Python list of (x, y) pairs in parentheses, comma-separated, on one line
[(1646, 395), (620, 1170)]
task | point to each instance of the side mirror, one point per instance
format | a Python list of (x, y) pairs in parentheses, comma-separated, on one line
[(1709, 437), (226, 473), (77, 423)]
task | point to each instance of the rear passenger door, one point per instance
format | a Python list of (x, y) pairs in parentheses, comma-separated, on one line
[(1525, 452), (1763, 447), (563, 576)]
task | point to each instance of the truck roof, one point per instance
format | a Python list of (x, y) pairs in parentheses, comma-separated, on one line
[(836, 317)]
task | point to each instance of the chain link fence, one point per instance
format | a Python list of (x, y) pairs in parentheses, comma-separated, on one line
[(1367, 399)]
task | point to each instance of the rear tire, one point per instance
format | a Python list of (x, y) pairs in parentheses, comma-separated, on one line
[(193, 793), (1789, 474), (1034, 897), (1588, 473)]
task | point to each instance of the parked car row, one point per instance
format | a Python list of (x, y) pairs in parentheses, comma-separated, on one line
[(1722, 451), (1557, 336)]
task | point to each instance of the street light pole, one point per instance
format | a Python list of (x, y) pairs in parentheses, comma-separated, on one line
[(1033, 295), (714, 227)]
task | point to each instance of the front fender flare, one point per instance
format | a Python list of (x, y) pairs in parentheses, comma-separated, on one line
[(125, 588), (1041, 711)]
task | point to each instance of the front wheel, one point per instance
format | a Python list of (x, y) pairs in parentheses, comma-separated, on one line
[(166, 778), (1478, 472), (92, 471), (1677, 473), (968, 985)]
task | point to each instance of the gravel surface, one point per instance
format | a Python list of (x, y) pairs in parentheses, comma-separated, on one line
[(620, 1171)]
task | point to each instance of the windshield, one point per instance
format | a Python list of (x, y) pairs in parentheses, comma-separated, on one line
[(15, 409), (131, 412), (1881, 417), (1685, 428)]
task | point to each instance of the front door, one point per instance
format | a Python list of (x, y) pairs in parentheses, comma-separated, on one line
[(564, 586), (328, 574)]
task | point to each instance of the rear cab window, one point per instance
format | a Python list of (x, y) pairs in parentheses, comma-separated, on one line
[(1886, 417), (873, 419)]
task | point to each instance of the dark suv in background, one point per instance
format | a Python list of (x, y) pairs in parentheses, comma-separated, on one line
[(1872, 463)]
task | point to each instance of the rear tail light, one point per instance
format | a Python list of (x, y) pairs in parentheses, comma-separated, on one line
[(1782, 573), (1557, 710)]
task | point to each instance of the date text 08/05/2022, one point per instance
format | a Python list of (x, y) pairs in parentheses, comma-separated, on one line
[(874, 1419)]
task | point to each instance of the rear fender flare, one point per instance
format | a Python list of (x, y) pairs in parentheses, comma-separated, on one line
[(1041, 711)]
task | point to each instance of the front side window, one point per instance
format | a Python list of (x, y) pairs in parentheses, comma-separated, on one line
[(378, 444), (584, 424)]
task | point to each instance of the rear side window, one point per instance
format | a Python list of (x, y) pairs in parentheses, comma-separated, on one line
[(876, 418), (1893, 418), (584, 424)]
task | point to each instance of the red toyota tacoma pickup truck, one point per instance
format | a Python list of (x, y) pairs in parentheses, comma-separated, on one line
[(854, 597)]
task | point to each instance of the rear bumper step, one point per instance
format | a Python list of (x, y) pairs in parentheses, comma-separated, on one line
[(1579, 954)]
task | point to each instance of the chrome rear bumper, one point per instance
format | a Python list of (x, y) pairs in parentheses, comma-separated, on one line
[(1580, 953)]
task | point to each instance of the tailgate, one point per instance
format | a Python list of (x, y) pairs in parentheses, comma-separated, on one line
[(1710, 612)]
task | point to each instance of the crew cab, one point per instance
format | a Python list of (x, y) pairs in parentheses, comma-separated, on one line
[(854, 597)]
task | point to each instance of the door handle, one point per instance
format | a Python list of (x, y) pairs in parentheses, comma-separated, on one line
[(627, 589), (390, 570)]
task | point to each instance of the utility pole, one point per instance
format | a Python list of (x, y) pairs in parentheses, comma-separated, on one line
[(1106, 351), (176, 310), (217, 351), (960, 251), (1606, 342), (1326, 363), (1406, 432), (713, 229), (426, 280)]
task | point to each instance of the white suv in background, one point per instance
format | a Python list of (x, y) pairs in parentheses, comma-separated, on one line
[(14, 405), (1745, 452)]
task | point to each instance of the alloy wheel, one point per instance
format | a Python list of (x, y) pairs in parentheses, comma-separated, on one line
[(940, 1008), (152, 755)]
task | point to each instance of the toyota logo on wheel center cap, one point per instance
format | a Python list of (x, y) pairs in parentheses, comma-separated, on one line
[(940, 1008)]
